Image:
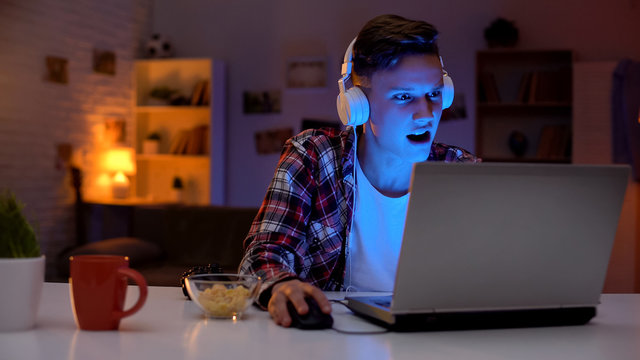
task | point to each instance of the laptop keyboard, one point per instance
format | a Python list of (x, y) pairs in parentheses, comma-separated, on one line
[(384, 301)]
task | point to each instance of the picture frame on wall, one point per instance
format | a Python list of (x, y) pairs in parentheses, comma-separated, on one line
[(104, 62), (56, 68), (306, 73)]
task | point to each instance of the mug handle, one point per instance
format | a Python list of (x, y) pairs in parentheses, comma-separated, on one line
[(142, 285)]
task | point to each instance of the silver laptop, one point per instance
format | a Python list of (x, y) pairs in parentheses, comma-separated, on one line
[(502, 245)]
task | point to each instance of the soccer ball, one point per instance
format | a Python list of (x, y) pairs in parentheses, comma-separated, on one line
[(158, 47)]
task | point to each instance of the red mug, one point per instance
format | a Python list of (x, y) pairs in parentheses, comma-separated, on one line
[(98, 287)]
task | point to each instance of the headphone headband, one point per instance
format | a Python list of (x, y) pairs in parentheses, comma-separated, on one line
[(347, 63)]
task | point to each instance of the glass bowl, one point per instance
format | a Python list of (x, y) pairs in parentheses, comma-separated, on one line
[(223, 296)]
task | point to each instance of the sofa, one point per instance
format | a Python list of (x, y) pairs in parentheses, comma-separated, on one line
[(165, 241)]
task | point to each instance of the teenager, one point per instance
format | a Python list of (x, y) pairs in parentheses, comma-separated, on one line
[(333, 215)]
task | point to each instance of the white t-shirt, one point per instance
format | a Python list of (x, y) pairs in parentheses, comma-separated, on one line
[(375, 239)]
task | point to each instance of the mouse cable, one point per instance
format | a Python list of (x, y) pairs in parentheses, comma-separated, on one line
[(349, 332)]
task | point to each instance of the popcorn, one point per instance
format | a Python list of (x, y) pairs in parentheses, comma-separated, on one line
[(219, 301)]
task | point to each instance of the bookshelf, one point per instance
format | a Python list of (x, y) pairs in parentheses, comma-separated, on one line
[(191, 121), (527, 93)]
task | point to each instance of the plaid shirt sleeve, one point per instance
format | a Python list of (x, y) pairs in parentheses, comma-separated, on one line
[(448, 153), (281, 244)]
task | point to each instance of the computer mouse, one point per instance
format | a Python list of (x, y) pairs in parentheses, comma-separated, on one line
[(312, 320)]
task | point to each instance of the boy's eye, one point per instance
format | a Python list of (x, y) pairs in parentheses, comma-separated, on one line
[(402, 97), (434, 94)]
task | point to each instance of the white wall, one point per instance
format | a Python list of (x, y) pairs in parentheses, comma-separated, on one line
[(256, 37), (36, 115)]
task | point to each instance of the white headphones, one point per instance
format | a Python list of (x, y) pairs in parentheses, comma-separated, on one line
[(352, 104)]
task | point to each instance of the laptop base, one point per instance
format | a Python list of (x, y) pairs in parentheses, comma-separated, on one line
[(487, 319)]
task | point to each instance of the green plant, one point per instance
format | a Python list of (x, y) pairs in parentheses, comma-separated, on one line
[(17, 237)]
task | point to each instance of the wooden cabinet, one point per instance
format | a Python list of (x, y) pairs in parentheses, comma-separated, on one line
[(190, 119), (524, 105)]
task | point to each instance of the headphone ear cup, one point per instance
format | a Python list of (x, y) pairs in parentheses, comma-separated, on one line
[(342, 104), (353, 107), (447, 91)]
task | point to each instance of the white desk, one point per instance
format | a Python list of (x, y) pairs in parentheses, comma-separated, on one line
[(169, 327)]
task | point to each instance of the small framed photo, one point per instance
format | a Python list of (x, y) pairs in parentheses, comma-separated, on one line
[(114, 131), (104, 62), (57, 70), (306, 73), (262, 102)]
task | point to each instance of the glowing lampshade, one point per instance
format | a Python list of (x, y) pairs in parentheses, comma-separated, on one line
[(120, 162)]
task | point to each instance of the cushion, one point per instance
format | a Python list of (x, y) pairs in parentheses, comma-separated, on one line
[(139, 251)]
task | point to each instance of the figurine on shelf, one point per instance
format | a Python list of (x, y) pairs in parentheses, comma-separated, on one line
[(159, 46)]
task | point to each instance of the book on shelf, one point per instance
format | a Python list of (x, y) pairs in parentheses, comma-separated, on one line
[(196, 94), (554, 142), (200, 93), (533, 85), (525, 87), (197, 140), (488, 88), (194, 141), (540, 87), (179, 143), (206, 94)]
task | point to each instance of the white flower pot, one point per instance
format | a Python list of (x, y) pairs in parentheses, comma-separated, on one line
[(150, 146), (21, 282)]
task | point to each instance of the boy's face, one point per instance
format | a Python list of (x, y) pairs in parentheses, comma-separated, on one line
[(406, 105)]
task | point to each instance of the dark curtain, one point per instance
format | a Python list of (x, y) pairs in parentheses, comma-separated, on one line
[(625, 107)]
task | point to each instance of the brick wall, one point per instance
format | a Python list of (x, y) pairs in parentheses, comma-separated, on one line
[(36, 115)]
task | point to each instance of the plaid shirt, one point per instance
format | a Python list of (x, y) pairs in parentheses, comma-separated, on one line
[(302, 226)]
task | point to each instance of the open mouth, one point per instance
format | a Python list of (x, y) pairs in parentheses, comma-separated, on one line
[(421, 137)]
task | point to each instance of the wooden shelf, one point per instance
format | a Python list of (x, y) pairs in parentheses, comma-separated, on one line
[(520, 93), (170, 109), (524, 106), (191, 137)]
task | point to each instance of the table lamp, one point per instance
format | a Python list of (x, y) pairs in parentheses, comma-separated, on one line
[(120, 162)]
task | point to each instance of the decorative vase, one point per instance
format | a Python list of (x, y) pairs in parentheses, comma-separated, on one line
[(501, 33), (518, 143), (21, 280)]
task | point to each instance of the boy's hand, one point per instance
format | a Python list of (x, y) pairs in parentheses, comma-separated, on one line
[(295, 291)]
